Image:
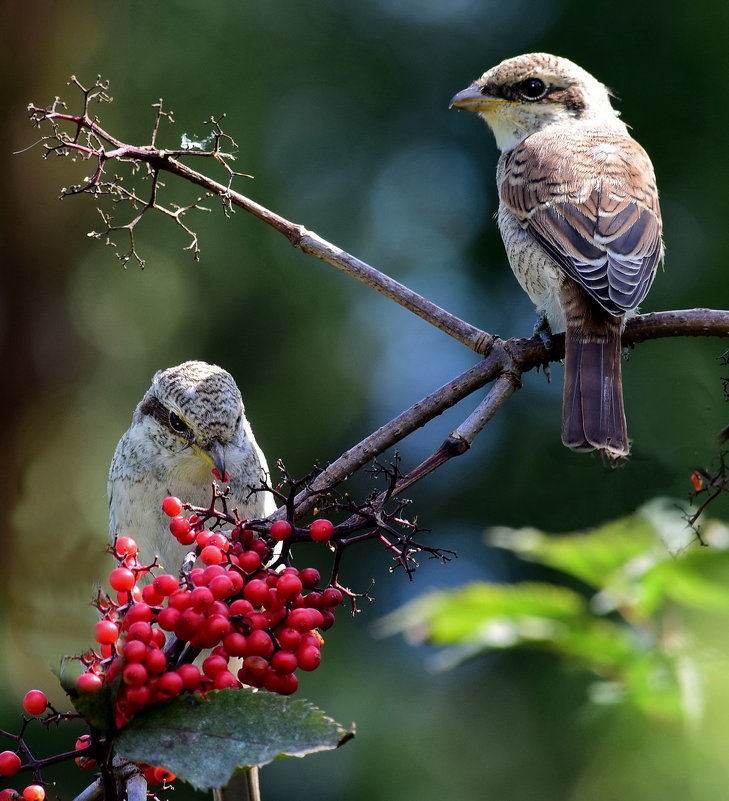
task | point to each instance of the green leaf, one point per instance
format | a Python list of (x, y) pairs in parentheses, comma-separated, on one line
[(482, 617), (98, 707), (204, 741), (446, 618), (592, 557)]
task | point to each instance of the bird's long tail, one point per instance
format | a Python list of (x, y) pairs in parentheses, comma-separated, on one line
[(593, 417)]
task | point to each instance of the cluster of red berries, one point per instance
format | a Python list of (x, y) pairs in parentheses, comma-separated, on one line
[(232, 605)]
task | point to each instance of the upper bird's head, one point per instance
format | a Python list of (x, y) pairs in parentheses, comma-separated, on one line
[(196, 408), (527, 93)]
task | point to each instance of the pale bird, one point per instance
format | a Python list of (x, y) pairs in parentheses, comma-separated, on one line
[(189, 422), (580, 221)]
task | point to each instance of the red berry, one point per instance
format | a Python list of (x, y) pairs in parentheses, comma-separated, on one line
[(321, 530), (138, 613), (134, 651), (135, 674), (331, 597), (169, 684), (106, 632), (256, 591), (139, 630), (35, 702), (211, 555), (34, 792), (168, 618), (9, 763), (182, 530), (225, 680), (249, 562), (126, 546), (327, 620), (138, 697), (89, 682), (159, 639), (280, 530), (288, 684), (308, 657), (256, 665), (260, 643), (188, 624), (282, 683), (313, 599), (289, 585), (289, 639), (122, 579), (216, 627), (203, 537), (219, 541), (236, 580), (190, 675), (235, 644), (84, 762), (211, 572), (284, 662), (300, 619), (8, 794), (309, 577), (241, 607), (201, 598), (179, 600), (155, 661), (214, 664), (221, 586), (165, 584), (274, 601), (171, 506), (150, 596), (316, 618)]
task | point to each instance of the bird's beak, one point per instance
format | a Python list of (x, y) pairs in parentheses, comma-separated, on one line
[(217, 453), (473, 99)]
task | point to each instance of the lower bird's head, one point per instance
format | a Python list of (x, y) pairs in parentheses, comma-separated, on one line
[(195, 413), (527, 93)]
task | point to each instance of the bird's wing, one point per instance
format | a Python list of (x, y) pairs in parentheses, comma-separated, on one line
[(590, 201)]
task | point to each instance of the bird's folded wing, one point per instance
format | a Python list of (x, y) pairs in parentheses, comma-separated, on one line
[(594, 210)]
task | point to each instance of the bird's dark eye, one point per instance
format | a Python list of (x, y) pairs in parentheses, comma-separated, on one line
[(177, 423), (532, 88)]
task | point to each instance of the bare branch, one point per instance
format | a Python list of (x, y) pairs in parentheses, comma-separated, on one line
[(505, 361)]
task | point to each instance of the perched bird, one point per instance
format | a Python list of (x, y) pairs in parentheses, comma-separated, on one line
[(189, 422), (580, 221)]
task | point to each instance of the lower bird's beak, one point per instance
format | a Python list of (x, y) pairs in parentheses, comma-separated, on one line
[(217, 453), (473, 99)]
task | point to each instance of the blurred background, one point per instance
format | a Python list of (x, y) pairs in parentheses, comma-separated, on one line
[(340, 111)]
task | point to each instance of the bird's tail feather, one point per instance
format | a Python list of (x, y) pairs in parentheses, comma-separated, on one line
[(593, 416)]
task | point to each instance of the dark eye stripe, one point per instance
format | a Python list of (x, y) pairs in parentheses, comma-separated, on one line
[(171, 421)]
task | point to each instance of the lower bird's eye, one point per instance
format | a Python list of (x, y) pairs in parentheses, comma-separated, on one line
[(177, 423), (532, 88)]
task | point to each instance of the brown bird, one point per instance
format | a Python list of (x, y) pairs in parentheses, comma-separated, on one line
[(580, 221)]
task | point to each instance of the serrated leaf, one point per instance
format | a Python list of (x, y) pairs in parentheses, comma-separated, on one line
[(204, 741)]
